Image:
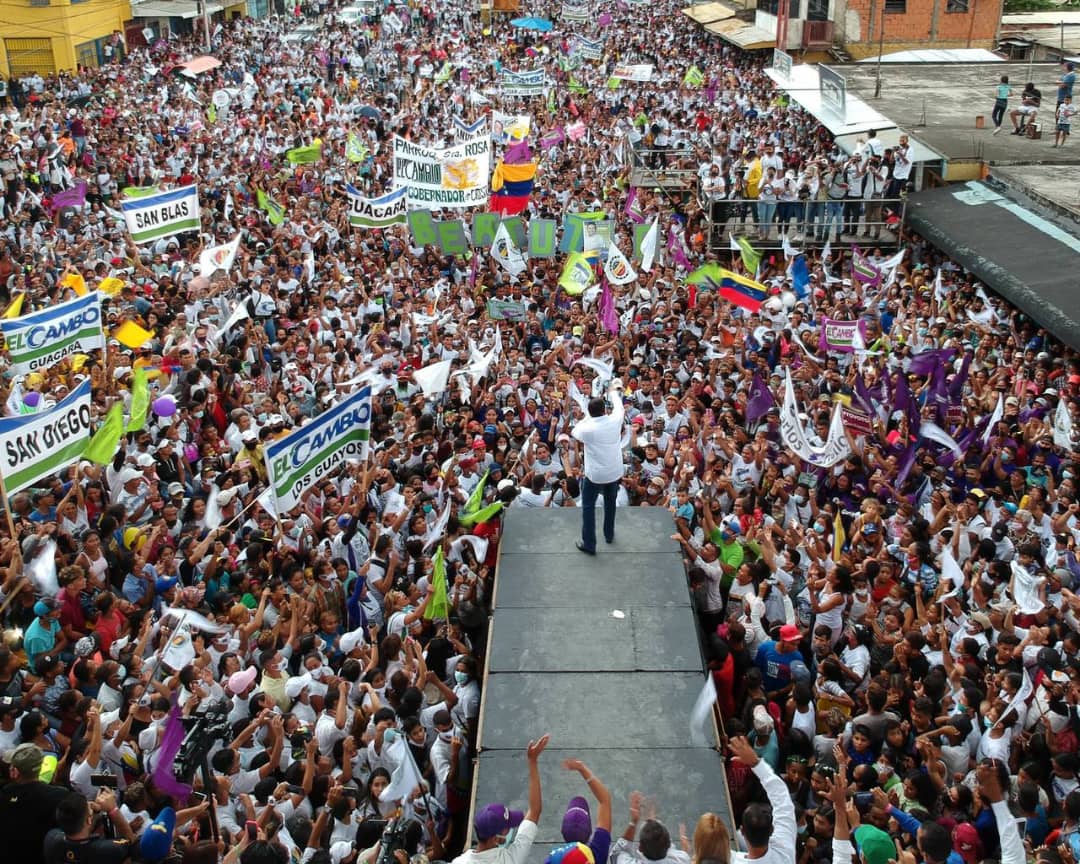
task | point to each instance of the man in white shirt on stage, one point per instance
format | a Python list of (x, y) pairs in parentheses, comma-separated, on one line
[(601, 433)]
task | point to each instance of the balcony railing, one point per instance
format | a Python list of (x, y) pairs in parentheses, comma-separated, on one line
[(817, 34)]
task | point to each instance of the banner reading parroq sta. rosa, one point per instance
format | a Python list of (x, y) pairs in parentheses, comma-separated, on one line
[(296, 461), (42, 339), (455, 177), (33, 446)]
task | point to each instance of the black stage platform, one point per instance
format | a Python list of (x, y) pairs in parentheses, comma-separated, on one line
[(616, 692)]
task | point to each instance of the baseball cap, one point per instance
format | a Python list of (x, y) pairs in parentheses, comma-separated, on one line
[(26, 759), (44, 606), (340, 850), (577, 822), (164, 586), (240, 681), (176, 490), (494, 819), (571, 853), (294, 686), (790, 633), (349, 641), (156, 840), (145, 460), (875, 846)]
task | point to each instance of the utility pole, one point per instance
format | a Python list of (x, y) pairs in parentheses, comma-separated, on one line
[(206, 21), (880, 50)]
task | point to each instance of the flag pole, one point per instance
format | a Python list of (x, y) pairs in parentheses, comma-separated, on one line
[(7, 507)]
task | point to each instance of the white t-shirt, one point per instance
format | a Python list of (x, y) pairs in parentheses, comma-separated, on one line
[(516, 853)]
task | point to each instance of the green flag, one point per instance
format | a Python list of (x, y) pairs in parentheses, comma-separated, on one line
[(305, 155), (102, 446), (577, 274), (211, 113), (274, 211), (476, 497), (443, 75), (751, 258), (577, 87), (140, 400), (355, 149), (438, 606), (138, 191), (693, 77), (480, 516)]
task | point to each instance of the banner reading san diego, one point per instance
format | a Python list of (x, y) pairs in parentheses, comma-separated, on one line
[(41, 339), (296, 461), (35, 445), (454, 177)]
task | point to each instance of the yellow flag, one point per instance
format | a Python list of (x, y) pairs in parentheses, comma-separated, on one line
[(75, 282), (15, 309), (839, 537), (577, 274), (132, 335), (111, 286)]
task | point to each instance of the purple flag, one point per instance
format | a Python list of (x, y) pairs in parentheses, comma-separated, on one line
[(73, 197), (604, 19), (517, 154), (906, 464), (171, 739), (904, 401), (939, 394), (609, 318), (925, 362), (632, 210), (956, 386), (759, 401), (862, 393), (677, 248), (863, 269), (553, 138)]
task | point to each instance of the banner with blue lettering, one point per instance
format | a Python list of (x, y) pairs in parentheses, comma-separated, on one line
[(313, 451), (41, 339), (33, 446)]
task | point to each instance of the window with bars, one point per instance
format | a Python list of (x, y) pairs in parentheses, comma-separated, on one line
[(29, 55), (958, 6), (86, 55), (896, 7)]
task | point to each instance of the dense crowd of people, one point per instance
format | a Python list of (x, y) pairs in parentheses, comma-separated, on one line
[(893, 637)]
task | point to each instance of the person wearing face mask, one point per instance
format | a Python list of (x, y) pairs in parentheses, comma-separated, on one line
[(445, 755), (467, 708), (505, 836)]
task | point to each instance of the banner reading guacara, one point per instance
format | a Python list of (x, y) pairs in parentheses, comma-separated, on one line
[(33, 446), (41, 339), (296, 461), (455, 177)]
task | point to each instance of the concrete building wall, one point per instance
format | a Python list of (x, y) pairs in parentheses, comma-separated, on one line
[(58, 35), (922, 24)]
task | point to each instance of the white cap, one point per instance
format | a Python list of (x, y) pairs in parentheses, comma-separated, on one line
[(340, 850), (296, 684), (349, 641), (129, 474), (145, 460)]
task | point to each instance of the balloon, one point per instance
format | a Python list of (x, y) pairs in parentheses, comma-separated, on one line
[(32, 399), (789, 299), (164, 406), (486, 31)]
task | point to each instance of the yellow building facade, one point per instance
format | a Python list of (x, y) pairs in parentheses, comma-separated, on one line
[(48, 36)]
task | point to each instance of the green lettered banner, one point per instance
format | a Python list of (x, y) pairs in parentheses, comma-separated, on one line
[(542, 238), (452, 239), (484, 226), (422, 227)]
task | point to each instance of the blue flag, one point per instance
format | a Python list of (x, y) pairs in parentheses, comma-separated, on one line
[(800, 276)]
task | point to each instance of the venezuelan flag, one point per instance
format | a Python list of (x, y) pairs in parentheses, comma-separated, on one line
[(512, 185), (731, 286)]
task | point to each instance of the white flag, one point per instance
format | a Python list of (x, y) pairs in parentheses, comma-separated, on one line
[(789, 250), (506, 253), (937, 434), (218, 257), (617, 268), (309, 266), (41, 568), (438, 528), (950, 569), (235, 317), (1062, 425), (995, 418), (648, 246), (891, 265), (702, 732), (404, 778), (733, 244), (229, 205), (432, 378)]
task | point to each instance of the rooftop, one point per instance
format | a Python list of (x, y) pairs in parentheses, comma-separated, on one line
[(937, 103)]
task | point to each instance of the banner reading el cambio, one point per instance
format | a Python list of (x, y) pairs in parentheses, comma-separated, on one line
[(313, 451), (162, 215), (529, 83), (41, 339), (33, 446), (389, 209), (454, 177)]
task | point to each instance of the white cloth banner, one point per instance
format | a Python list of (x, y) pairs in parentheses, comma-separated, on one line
[(793, 435), (617, 267), (453, 177), (1062, 425), (218, 257), (432, 379), (506, 253)]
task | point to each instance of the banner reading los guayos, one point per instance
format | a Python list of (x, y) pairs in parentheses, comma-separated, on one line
[(454, 177), (313, 451), (41, 339)]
